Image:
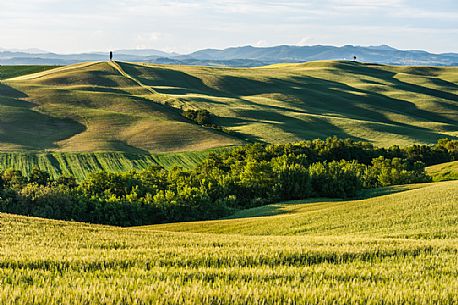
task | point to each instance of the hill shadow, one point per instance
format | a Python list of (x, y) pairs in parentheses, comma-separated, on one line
[(23, 127), (313, 127), (318, 96), (98, 89), (330, 96), (359, 68), (180, 82), (443, 83), (8, 91)]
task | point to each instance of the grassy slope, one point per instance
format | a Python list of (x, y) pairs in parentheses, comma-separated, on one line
[(427, 212), (289, 102), (444, 172), (93, 107), (388, 250), (125, 107), (58, 163)]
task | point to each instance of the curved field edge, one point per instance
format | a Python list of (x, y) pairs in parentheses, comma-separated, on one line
[(429, 211), (56, 262)]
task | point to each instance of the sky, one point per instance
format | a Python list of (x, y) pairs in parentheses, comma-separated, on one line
[(75, 26)]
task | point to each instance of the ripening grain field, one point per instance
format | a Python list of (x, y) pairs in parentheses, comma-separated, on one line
[(80, 165), (339, 256)]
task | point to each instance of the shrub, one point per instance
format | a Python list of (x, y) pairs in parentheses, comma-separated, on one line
[(334, 179), (294, 182), (395, 171), (201, 117)]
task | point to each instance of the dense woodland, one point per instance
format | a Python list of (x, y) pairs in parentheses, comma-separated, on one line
[(239, 178)]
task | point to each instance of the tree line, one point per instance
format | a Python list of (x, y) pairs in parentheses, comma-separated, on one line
[(227, 181)]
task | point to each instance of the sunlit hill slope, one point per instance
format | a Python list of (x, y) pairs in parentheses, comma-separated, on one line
[(136, 108)]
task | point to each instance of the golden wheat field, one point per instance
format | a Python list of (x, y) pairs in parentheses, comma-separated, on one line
[(399, 248)]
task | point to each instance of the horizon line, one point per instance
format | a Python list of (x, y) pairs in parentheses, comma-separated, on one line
[(38, 51)]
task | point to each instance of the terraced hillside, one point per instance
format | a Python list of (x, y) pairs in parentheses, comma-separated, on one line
[(394, 249), (134, 108)]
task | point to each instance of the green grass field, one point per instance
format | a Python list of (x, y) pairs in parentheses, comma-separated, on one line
[(390, 216), (399, 248), (290, 102), (92, 107), (133, 108), (79, 165)]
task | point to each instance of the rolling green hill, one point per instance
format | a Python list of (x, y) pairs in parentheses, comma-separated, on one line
[(93, 107), (290, 102), (393, 249), (134, 107)]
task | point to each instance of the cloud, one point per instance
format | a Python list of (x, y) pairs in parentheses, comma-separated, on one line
[(260, 43), (147, 40), (304, 41), (187, 25)]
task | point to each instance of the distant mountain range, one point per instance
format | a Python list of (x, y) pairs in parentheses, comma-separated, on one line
[(247, 56)]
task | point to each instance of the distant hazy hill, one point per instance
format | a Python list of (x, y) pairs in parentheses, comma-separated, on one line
[(246, 56), (145, 53), (376, 54), (23, 58)]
